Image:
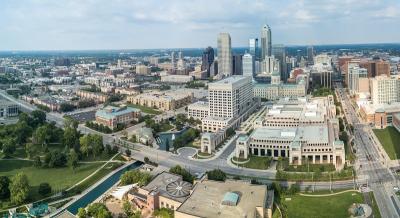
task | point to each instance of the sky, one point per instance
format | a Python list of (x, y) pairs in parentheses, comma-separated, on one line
[(147, 24)]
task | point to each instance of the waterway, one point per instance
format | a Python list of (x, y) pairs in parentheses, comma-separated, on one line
[(100, 189)]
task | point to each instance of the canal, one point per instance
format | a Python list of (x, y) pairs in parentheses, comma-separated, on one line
[(100, 189)]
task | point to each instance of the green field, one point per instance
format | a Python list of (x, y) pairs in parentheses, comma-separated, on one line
[(144, 109), (390, 140), (256, 162), (58, 178), (314, 207)]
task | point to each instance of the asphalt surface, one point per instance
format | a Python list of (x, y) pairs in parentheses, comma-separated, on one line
[(370, 166)]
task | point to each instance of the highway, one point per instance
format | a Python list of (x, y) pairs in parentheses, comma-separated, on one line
[(370, 166)]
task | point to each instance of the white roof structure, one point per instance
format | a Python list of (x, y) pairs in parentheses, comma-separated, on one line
[(121, 191)]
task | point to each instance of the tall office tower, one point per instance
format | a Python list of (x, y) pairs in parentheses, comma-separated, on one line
[(266, 45), (180, 55), (279, 51), (253, 48), (293, 62), (173, 61), (358, 79), (237, 64), (269, 65), (310, 55), (385, 89), (224, 54), (257, 68), (214, 68), (230, 97), (207, 60), (248, 65)]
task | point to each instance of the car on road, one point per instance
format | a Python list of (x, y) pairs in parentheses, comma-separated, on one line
[(396, 188)]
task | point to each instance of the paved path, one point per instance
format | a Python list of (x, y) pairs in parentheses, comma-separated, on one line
[(331, 194)]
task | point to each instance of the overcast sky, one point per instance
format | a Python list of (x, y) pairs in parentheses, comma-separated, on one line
[(138, 24)]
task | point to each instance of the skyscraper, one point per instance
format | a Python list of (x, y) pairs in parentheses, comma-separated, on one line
[(237, 64), (279, 52), (207, 60), (266, 44), (248, 65), (173, 61), (310, 55), (224, 54), (253, 48)]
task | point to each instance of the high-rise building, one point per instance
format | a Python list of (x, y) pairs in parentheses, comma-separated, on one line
[(237, 64), (279, 51), (230, 97), (207, 60), (376, 67), (310, 55), (253, 48), (173, 61), (385, 89), (248, 65), (224, 54), (266, 44), (358, 79), (214, 68), (269, 65)]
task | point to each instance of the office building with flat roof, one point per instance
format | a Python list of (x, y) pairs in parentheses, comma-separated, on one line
[(112, 116), (224, 54)]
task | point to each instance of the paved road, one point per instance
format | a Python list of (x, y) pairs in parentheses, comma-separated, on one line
[(369, 164)]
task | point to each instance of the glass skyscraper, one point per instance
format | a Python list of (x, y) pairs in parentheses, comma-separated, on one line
[(253, 48)]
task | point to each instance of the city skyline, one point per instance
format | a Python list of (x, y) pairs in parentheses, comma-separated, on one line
[(75, 25)]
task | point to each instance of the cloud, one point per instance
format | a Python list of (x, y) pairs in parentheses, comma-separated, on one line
[(89, 24)]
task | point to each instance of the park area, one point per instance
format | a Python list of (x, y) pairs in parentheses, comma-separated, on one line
[(254, 162), (390, 140), (298, 206)]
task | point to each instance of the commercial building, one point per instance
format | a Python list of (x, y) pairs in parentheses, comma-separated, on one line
[(248, 65), (165, 101), (304, 130), (166, 190), (253, 48), (322, 75), (396, 121), (143, 69), (237, 68), (112, 116), (224, 54), (376, 67), (227, 199), (310, 55), (207, 60), (357, 80), (385, 90), (269, 65), (266, 42), (380, 115), (279, 51), (8, 109)]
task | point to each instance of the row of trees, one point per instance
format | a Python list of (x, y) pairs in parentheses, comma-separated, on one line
[(186, 138), (135, 176), (98, 127)]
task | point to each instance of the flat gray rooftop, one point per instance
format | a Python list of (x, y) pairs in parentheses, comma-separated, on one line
[(206, 200)]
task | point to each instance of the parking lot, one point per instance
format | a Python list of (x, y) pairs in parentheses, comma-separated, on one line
[(84, 116)]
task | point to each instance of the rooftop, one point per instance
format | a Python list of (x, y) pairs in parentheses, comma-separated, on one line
[(110, 112), (208, 197)]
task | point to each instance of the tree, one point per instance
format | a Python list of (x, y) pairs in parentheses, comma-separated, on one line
[(128, 152), (85, 145), (73, 159), (44, 189), (217, 175), (4, 187), (41, 135), (163, 213), (135, 176), (97, 144), (71, 138), (66, 107), (8, 146), (82, 213), (57, 159), (127, 208), (98, 210), (38, 117), (22, 131), (37, 162), (186, 176), (19, 188)]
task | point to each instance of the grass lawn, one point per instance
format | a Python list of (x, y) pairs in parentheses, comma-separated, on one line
[(256, 162), (389, 138), (58, 178), (329, 206), (144, 109), (165, 127)]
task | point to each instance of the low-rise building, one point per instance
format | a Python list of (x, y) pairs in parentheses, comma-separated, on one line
[(164, 101), (166, 190), (98, 97), (198, 110), (112, 116), (380, 115), (227, 199), (8, 109), (396, 121), (176, 78)]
